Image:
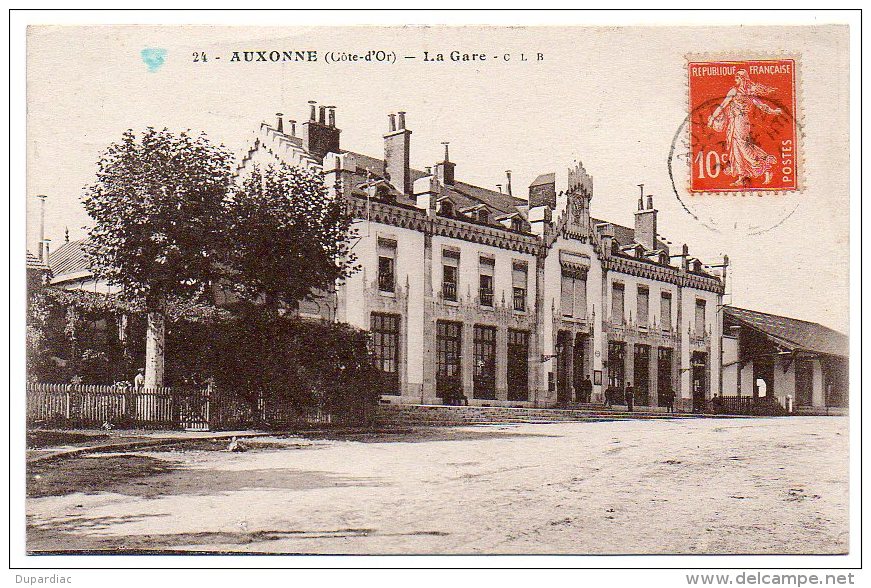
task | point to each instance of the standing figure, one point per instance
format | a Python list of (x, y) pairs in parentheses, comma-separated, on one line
[(746, 159), (630, 396), (139, 380), (668, 396), (586, 389)]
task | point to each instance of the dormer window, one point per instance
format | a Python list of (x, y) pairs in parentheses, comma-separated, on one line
[(516, 224), (383, 193), (483, 216), (446, 209)]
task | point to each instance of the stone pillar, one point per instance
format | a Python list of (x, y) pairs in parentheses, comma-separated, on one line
[(569, 340), (628, 365), (468, 361), (501, 363)]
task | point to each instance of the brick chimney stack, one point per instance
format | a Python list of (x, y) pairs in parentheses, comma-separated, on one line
[(397, 154), (645, 222), (280, 127), (445, 169), (320, 136)]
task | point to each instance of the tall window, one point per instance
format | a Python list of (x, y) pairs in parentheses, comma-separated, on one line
[(643, 304), (518, 365), (518, 283), (641, 369), (385, 342), (485, 286), (663, 375), (485, 362), (616, 367), (386, 265), (616, 303), (700, 317), (450, 274), (573, 294), (665, 311), (449, 341)]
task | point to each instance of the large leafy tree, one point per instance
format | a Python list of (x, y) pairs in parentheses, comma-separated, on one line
[(156, 205), (290, 237)]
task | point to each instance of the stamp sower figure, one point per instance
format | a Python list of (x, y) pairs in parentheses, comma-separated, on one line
[(630, 396), (747, 160), (586, 389)]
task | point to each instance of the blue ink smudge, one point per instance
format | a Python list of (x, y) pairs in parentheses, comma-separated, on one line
[(153, 57)]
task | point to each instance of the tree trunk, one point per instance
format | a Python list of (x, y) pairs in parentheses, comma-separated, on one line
[(155, 342), (154, 350)]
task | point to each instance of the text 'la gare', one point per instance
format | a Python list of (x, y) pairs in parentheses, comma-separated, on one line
[(461, 56)]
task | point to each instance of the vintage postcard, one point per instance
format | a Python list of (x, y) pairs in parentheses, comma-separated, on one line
[(438, 290)]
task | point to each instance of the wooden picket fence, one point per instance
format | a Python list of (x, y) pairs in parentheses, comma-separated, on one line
[(94, 405), (77, 405)]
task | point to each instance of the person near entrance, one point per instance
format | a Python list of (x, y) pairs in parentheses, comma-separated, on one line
[(630, 396), (668, 398), (586, 390)]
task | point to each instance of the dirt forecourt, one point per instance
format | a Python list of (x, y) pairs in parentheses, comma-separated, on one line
[(768, 486)]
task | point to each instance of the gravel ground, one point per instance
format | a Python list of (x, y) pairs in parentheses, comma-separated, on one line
[(692, 486)]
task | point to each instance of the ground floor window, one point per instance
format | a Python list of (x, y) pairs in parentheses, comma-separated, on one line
[(518, 365), (641, 369), (664, 387), (385, 343), (449, 346), (699, 363), (485, 362), (616, 367)]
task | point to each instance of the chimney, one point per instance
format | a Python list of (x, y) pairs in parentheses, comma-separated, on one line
[(280, 126), (42, 254), (397, 154), (645, 222), (332, 116), (508, 184), (606, 235), (445, 169), (499, 187), (67, 238), (685, 257), (292, 128), (319, 138), (47, 247), (542, 191)]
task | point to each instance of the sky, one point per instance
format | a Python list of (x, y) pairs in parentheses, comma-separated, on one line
[(612, 97)]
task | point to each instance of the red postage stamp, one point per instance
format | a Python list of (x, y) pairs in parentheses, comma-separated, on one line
[(743, 135)]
